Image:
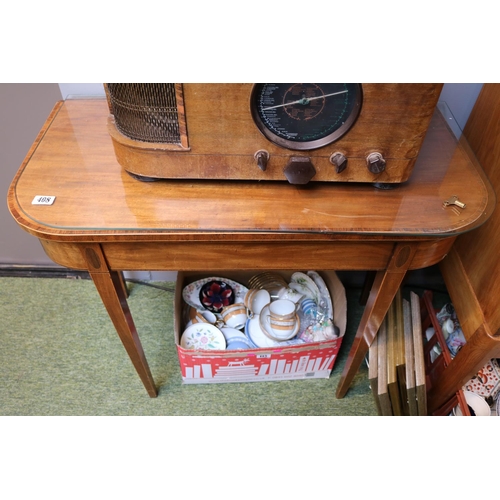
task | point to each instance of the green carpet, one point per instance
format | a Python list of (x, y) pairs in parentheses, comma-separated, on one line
[(60, 355)]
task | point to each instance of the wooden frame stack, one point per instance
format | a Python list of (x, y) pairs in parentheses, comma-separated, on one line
[(396, 361)]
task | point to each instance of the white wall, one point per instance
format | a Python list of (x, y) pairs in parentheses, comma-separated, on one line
[(460, 97), (81, 89)]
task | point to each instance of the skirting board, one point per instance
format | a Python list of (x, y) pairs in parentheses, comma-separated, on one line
[(425, 278)]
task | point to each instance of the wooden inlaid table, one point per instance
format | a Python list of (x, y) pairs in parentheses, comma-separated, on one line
[(105, 221)]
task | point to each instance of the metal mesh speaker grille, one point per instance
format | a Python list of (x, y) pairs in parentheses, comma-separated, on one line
[(145, 111)]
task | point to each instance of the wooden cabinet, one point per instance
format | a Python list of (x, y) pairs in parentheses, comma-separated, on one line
[(471, 270)]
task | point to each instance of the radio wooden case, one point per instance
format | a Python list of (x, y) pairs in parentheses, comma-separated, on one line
[(216, 137)]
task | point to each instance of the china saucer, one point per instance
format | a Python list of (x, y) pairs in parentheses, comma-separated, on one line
[(202, 337), (257, 337)]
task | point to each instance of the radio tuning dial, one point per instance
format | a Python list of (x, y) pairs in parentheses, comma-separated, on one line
[(375, 163), (305, 116)]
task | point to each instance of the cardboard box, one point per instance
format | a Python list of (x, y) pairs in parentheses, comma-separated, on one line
[(302, 361)]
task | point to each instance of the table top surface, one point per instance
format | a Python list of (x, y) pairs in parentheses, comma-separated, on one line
[(73, 159)]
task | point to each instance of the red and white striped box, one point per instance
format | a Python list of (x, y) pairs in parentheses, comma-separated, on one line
[(302, 361)]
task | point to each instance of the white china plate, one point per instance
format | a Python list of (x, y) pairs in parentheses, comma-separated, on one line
[(305, 280), (203, 337), (262, 319), (323, 291), (303, 289), (191, 292), (477, 403), (260, 340), (256, 335)]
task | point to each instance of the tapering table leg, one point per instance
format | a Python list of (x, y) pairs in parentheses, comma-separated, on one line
[(383, 291), (122, 282), (109, 284)]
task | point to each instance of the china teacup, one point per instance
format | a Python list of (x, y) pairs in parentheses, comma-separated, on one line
[(204, 317), (252, 292), (257, 299), (235, 315), (196, 317), (290, 294), (201, 316), (279, 329), (192, 312), (282, 309), (283, 329)]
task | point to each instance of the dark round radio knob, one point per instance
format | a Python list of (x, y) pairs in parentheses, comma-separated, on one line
[(262, 157), (375, 163), (299, 170), (339, 161)]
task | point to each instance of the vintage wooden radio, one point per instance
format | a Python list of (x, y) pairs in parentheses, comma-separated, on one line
[(295, 132)]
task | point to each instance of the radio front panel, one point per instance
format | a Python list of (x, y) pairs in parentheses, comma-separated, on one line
[(300, 133)]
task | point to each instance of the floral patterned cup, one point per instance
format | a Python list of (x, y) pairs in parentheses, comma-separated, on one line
[(290, 294)]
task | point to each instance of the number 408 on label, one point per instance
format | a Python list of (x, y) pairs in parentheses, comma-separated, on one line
[(43, 200)]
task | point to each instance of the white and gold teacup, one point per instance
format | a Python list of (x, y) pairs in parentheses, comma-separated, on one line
[(202, 316), (235, 315), (256, 299), (282, 309)]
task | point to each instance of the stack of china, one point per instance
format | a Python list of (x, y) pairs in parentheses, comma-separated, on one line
[(313, 303), (272, 312), (271, 282), (266, 330), (216, 315), (273, 309), (235, 318), (279, 320), (205, 330)]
